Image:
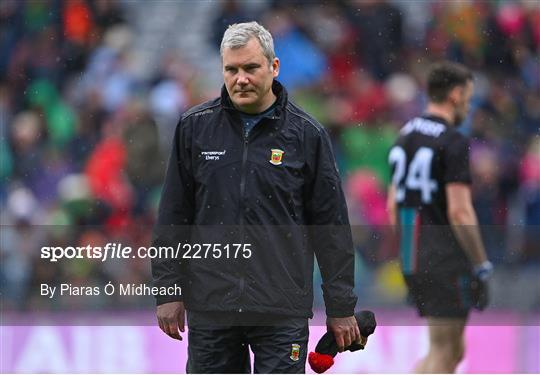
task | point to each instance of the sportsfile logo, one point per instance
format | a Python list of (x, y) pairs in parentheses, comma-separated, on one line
[(213, 155)]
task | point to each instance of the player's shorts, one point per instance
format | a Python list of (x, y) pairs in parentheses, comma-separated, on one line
[(441, 297)]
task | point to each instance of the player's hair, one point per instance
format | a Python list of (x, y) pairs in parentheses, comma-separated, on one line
[(443, 77), (239, 34)]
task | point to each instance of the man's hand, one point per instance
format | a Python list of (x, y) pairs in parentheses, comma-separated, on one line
[(345, 331), (480, 284), (480, 293), (171, 318)]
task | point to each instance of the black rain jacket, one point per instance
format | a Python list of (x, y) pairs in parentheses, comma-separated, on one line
[(224, 186)]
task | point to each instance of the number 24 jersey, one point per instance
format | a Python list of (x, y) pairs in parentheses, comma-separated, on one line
[(428, 154)]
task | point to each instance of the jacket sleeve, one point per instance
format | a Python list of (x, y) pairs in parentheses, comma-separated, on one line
[(175, 215), (328, 226)]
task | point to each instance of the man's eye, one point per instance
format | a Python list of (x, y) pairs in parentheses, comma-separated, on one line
[(230, 70)]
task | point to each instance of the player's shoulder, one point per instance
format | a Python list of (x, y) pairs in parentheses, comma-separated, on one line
[(453, 137), (299, 117), (203, 109)]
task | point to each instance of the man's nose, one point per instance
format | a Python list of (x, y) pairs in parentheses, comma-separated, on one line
[(242, 79)]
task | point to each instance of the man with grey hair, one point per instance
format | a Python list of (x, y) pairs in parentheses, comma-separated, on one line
[(252, 172)]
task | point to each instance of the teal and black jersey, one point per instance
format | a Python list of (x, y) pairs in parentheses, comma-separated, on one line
[(428, 154)]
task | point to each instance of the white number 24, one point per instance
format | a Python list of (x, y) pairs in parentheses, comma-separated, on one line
[(418, 174)]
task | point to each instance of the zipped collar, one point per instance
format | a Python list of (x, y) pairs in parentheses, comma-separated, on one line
[(277, 88)]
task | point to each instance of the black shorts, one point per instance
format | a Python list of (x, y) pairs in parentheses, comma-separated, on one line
[(440, 296), (220, 343)]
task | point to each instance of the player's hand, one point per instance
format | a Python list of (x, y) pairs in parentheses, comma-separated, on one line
[(480, 293), (345, 331), (171, 317), (480, 284)]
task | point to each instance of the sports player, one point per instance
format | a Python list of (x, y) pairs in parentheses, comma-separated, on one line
[(443, 259)]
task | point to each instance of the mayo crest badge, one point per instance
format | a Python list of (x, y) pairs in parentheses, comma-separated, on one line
[(276, 156), (295, 352)]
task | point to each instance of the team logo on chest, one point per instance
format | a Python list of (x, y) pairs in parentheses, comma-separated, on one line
[(276, 156)]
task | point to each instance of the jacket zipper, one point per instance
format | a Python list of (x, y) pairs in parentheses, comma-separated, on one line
[(242, 196), (243, 177)]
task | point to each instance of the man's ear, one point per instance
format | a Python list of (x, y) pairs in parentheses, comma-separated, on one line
[(455, 95), (275, 67)]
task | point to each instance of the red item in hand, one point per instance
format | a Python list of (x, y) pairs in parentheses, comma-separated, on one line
[(320, 362), (323, 357)]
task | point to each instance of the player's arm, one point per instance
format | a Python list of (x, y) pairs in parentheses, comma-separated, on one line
[(460, 209), (391, 206), (461, 215), (464, 223), (176, 212), (330, 237)]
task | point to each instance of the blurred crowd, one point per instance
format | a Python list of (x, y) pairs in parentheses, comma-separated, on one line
[(84, 139)]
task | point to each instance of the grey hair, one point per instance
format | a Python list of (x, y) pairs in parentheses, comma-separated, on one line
[(239, 34)]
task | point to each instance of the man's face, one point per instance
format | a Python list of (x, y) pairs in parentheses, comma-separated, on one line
[(462, 103), (248, 77)]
